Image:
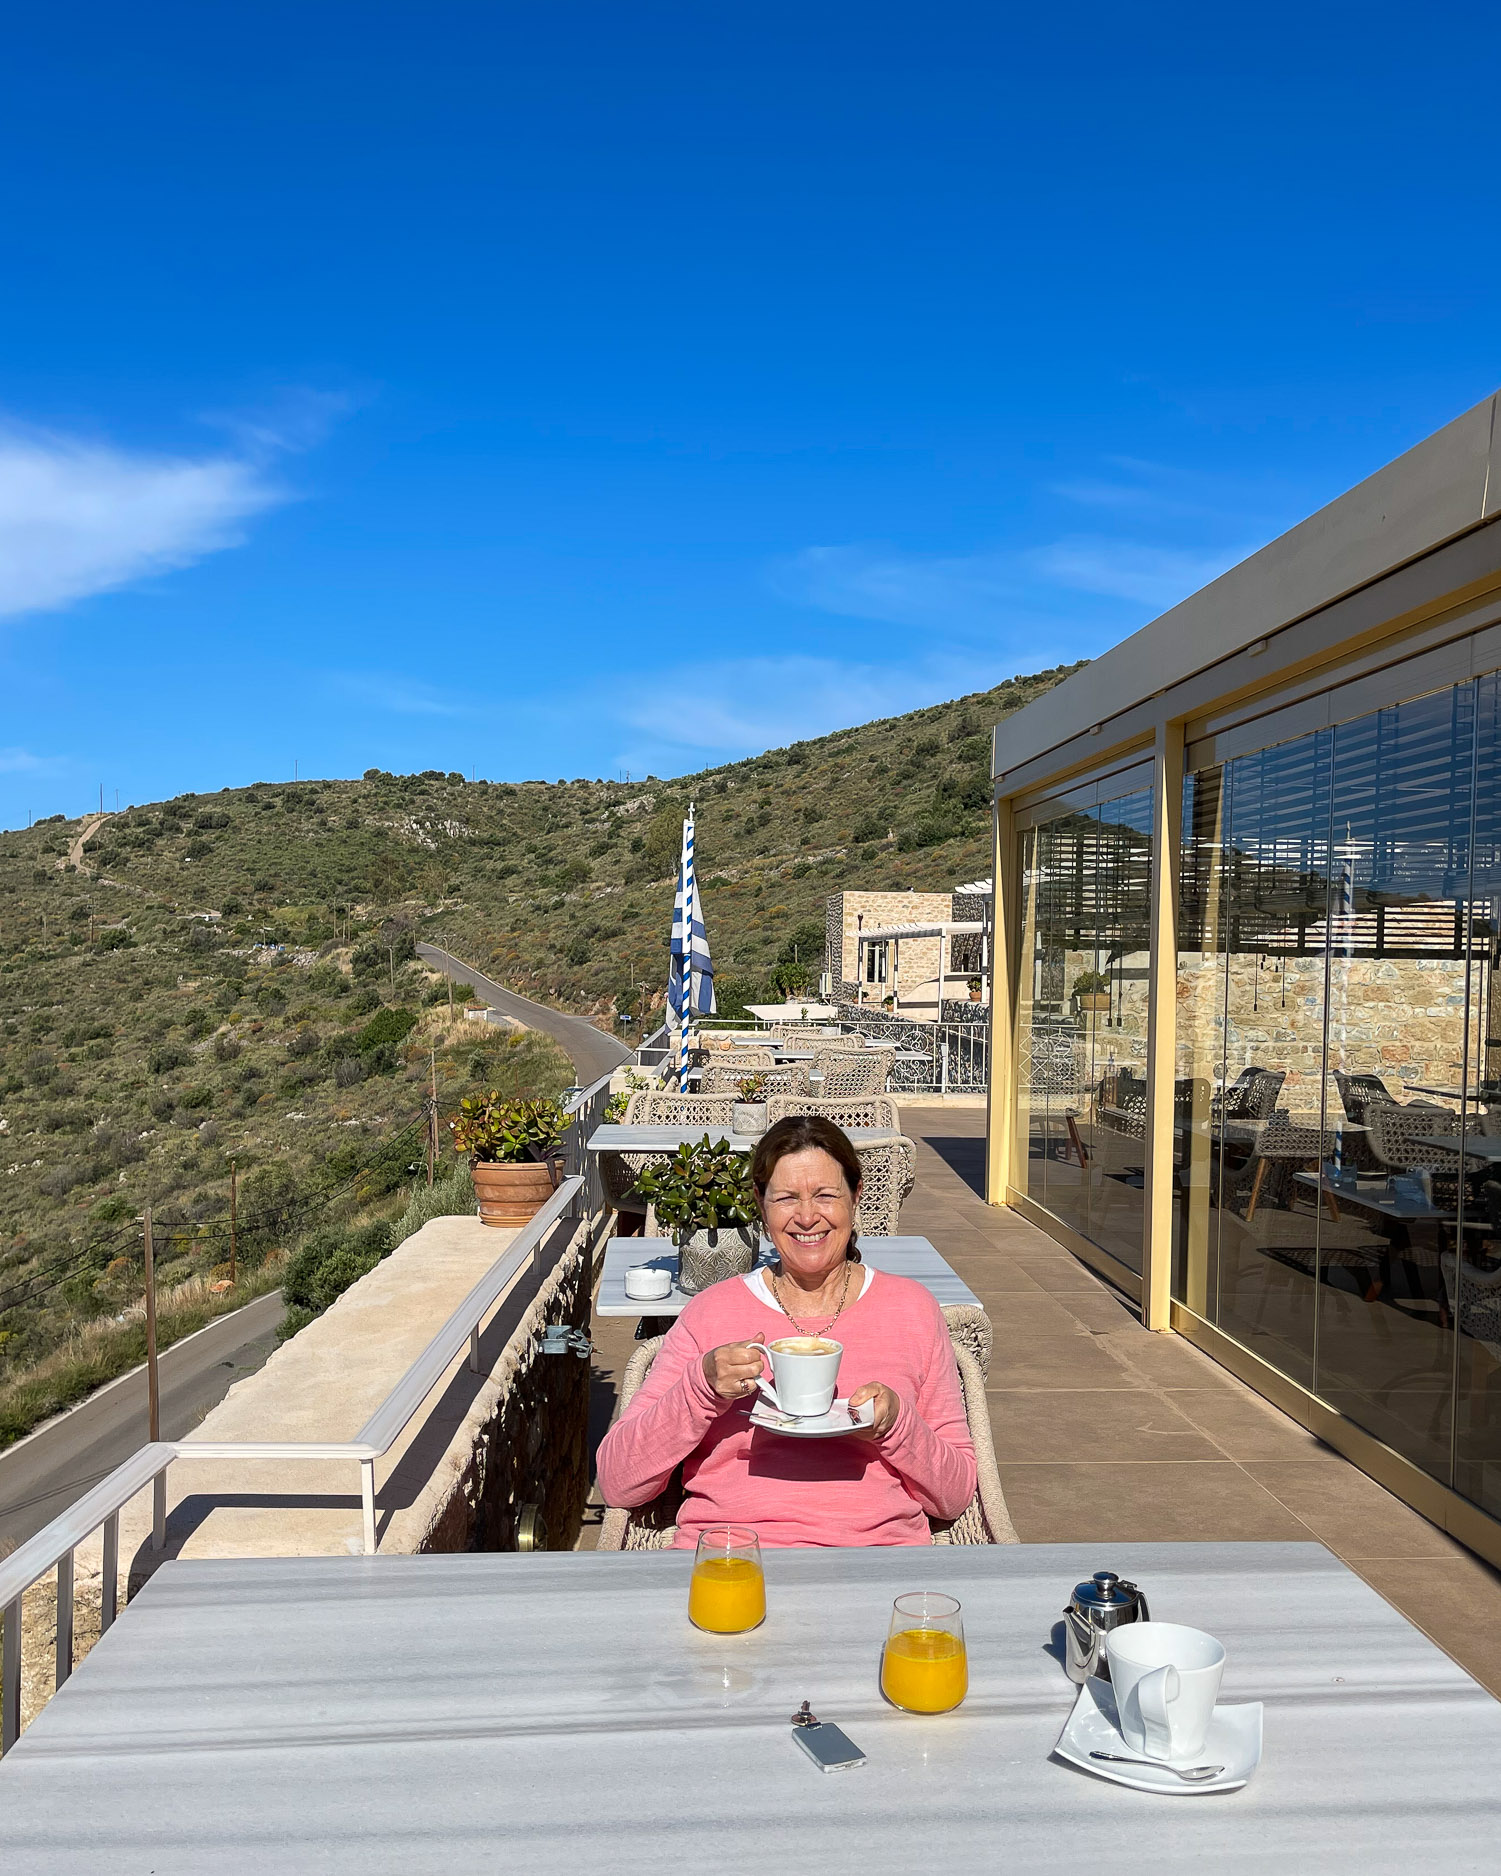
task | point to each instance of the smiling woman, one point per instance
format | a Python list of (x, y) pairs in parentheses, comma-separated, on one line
[(876, 1484)]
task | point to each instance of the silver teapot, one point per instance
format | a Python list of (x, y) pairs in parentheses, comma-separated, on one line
[(1105, 1602)]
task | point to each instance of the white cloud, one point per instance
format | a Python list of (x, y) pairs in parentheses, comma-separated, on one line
[(23, 762), (402, 696), (79, 517), (940, 591), (1154, 577)]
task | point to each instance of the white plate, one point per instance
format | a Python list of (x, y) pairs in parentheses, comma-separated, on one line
[(812, 1426), (1233, 1740)]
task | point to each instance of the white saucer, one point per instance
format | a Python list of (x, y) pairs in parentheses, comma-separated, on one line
[(1233, 1740), (812, 1426)]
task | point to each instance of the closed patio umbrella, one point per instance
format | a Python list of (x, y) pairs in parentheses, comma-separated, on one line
[(691, 989)]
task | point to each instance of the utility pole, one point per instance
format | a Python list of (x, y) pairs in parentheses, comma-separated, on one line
[(153, 1391), (391, 955), (432, 1117), (234, 1179)]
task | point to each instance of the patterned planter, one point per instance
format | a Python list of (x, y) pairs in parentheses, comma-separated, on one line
[(707, 1257), (748, 1117)]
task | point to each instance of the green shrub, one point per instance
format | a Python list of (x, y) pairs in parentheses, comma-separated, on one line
[(325, 1267), (385, 1030), (115, 939)]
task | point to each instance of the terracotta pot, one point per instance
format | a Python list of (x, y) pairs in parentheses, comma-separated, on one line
[(1095, 1000), (510, 1192)]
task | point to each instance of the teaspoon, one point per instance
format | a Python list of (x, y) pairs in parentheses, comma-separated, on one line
[(1194, 1774)]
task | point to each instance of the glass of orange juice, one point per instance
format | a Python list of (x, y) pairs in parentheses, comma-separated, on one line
[(727, 1592), (924, 1668)]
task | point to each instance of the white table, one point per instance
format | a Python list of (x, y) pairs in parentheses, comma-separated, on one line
[(557, 1714), (898, 1257), (617, 1137)]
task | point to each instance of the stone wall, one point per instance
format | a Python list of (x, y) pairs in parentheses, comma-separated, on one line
[(843, 912), (526, 1436)]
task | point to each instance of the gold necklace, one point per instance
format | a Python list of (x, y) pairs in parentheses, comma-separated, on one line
[(776, 1290)]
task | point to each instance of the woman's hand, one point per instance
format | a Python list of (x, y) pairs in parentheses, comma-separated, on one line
[(731, 1370), (887, 1403)]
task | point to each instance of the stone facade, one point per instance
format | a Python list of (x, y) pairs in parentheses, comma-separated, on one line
[(917, 962)]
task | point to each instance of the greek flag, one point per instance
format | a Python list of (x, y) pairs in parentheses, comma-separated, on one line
[(691, 990)]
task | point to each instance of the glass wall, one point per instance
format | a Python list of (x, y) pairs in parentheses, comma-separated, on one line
[(1338, 1095), (1081, 1019)]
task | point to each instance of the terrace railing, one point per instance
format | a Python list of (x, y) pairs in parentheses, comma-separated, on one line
[(932, 1058), (540, 1243)]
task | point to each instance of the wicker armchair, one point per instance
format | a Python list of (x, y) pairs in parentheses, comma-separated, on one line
[(1251, 1096), (726, 1077), (670, 1109), (984, 1520), (873, 1110), (888, 1174), (847, 1075)]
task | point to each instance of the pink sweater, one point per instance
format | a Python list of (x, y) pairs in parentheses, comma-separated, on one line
[(839, 1492)]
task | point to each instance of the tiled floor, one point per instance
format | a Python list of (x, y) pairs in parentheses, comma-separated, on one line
[(1106, 1433)]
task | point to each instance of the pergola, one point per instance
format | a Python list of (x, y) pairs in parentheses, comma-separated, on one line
[(942, 929)]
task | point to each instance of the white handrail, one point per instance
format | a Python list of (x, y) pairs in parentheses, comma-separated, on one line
[(55, 1544)]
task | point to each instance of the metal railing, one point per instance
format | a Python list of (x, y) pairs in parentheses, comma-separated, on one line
[(941, 1058), (56, 1545), (587, 1106)]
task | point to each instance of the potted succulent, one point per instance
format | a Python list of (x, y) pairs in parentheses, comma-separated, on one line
[(748, 1115), (512, 1148), (1091, 990), (704, 1199), (976, 989)]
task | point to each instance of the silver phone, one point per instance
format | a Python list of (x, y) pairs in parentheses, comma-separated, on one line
[(829, 1747)]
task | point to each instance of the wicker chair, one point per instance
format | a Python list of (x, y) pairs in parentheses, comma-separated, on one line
[(670, 1109), (847, 1075), (1396, 1132), (984, 1520), (872, 1110), (888, 1174), (1251, 1096), (726, 1077)]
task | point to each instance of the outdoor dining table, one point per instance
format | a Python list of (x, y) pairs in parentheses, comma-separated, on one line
[(555, 1713), (618, 1137), (898, 1257), (1483, 1146)]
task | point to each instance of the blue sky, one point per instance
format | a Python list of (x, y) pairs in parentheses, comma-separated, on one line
[(584, 389)]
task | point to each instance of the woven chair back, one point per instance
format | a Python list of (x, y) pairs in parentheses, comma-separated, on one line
[(848, 1076), (869, 1110), (1395, 1137), (725, 1078)]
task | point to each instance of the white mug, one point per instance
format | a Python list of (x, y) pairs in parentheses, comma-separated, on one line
[(1166, 1680), (804, 1382)]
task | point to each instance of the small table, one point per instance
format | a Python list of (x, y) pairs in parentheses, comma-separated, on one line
[(557, 1713), (1483, 1146), (898, 1257), (1388, 1205), (617, 1137)]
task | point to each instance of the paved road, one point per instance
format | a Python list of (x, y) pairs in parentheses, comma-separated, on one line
[(43, 1474), (593, 1052)]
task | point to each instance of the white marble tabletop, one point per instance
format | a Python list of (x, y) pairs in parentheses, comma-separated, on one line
[(557, 1713), (898, 1257)]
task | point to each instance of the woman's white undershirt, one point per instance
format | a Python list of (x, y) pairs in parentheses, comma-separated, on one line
[(760, 1289)]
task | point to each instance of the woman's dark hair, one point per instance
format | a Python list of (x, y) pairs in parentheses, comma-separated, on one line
[(796, 1134)]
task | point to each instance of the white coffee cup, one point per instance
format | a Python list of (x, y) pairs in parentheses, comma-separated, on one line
[(645, 1283), (806, 1373), (1166, 1680)]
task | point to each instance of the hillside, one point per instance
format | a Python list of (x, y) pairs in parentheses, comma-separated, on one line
[(150, 1034)]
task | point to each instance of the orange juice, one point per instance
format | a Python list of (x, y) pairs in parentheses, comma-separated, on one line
[(726, 1595), (925, 1670)]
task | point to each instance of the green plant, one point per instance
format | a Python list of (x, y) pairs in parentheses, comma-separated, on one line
[(490, 1128), (975, 983), (616, 1105), (701, 1188), (1089, 984), (753, 1088)]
